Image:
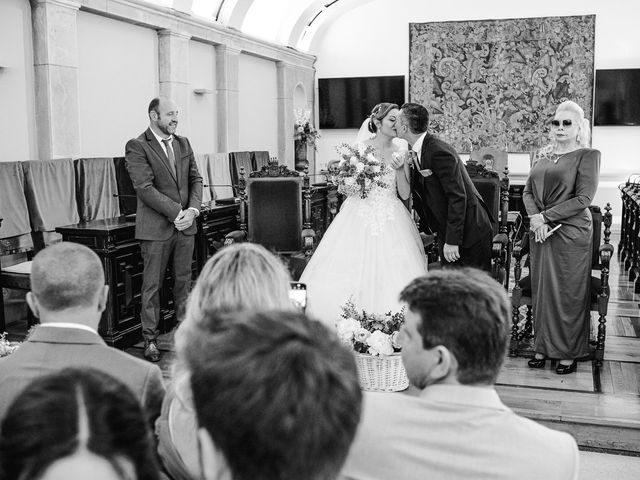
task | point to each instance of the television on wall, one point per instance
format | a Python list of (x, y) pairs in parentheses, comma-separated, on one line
[(345, 102), (617, 97)]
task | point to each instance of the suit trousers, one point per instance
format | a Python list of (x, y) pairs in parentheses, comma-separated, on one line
[(477, 255), (155, 256)]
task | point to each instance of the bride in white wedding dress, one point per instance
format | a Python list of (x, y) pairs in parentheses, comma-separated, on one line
[(372, 249)]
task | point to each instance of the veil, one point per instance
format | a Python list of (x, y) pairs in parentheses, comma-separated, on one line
[(364, 134)]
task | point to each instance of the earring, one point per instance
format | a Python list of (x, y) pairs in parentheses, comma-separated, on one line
[(372, 135)]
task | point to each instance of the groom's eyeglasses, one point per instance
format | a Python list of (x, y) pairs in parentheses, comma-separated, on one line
[(565, 123)]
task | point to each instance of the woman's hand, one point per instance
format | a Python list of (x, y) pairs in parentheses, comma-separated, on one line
[(536, 221), (541, 233)]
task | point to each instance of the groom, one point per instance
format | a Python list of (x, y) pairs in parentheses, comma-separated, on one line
[(446, 200)]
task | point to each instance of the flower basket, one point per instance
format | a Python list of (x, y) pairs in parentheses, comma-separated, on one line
[(381, 373)]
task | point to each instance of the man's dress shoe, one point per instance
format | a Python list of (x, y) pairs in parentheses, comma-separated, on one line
[(151, 352)]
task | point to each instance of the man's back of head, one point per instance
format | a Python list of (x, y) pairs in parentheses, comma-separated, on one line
[(66, 276), (276, 393), (465, 313), (415, 117)]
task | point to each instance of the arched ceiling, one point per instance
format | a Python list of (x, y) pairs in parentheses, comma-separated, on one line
[(294, 23)]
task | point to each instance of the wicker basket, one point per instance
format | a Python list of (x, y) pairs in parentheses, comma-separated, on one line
[(381, 374)]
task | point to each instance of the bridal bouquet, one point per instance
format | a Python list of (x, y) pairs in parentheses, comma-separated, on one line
[(375, 334), (358, 170)]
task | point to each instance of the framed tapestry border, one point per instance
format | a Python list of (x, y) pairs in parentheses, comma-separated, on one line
[(496, 83)]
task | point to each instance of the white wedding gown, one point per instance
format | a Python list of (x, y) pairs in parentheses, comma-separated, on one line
[(370, 252)]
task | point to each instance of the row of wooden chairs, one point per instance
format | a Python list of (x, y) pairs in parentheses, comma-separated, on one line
[(629, 246)]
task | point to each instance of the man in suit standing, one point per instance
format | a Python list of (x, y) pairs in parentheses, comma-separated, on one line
[(165, 177), (455, 426), (446, 200), (68, 294)]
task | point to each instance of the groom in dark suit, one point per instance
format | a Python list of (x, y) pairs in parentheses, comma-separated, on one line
[(446, 200), (165, 177)]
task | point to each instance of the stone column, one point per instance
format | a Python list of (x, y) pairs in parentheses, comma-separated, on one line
[(286, 117), (228, 103), (55, 57), (173, 66)]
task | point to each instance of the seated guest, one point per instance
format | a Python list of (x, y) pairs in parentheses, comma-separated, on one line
[(68, 295), (243, 276), (76, 424), (453, 345), (276, 395)]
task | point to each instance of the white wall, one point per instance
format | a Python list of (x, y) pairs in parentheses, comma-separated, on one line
[(374, 40), (202, 108), (117, 76), (17, 120), (258, 104)]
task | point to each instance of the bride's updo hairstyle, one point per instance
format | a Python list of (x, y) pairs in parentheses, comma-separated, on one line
[(584, 130), (378, 113)]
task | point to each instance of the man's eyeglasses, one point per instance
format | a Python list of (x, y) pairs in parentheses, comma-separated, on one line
[(565, 123)]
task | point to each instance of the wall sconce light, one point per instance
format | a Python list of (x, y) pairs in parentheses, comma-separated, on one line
[(202, 91)]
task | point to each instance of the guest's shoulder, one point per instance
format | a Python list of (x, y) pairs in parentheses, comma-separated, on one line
[(590, 153)]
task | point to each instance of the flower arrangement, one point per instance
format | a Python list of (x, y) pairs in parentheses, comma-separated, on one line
[(304, 131), (6, 347), (359, 170), (375, 334)]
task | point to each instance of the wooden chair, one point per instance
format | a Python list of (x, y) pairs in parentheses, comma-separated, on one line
[(629, 246), (522, 331), (237, 161), (495, 194), (260, 158), (275, 211)]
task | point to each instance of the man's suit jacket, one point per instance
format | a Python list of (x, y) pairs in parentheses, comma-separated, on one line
[(455, 433), (446, 199), (50, 349), (161, 193)]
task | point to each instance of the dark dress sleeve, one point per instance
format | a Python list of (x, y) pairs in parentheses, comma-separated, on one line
[(528, 198), (585, 189)]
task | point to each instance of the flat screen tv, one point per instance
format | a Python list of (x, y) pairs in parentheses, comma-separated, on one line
[(617, 97), (345, 102)]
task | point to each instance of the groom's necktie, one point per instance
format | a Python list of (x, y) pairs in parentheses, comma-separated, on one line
[(170, 155)]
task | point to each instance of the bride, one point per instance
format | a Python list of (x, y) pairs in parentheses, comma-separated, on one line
[(372, 249)]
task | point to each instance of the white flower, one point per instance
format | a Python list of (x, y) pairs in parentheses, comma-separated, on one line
[(349, 181), (353, 160), (359, 167), (342, 162), (346, 328), (361, 149), (379, 343), (372, 159), (395, 340), (361, 335), (343, 151), (367, 183), (376, 168), (301, 129)]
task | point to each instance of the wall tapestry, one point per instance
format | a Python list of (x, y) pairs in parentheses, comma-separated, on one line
[(497, 82)]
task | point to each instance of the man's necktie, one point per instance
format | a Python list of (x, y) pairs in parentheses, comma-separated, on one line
[(170, 155)]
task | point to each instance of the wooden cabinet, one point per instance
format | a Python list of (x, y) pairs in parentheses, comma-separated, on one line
[(324, 207)]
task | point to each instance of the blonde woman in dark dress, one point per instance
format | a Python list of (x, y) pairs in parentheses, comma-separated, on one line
[(559, 190)]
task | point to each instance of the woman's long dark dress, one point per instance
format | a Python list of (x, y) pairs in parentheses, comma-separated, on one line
[(561, 266)]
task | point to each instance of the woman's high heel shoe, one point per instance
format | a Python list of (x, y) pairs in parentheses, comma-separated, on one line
[(565, 369), (537, 362)]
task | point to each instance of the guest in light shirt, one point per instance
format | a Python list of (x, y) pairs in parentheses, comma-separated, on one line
[(68, 295), (453, 346)]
